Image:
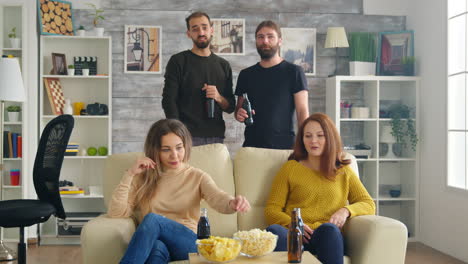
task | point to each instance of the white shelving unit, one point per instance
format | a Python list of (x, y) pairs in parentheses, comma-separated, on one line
[(89, 131), (380, 174), (12, 16)]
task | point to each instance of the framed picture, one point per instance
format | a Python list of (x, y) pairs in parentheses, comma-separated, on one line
[(59, 64), (55, 94), (228, 36), (55, 18), (396, 51), (142, 51), (299, 47)]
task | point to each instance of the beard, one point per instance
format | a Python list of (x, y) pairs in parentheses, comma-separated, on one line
[(267, 53), (202, 44)]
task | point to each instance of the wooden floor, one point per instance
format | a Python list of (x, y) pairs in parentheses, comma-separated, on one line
[(417, 253)]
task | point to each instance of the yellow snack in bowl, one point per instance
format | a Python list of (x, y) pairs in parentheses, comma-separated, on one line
[(256, 242), (219, 249)]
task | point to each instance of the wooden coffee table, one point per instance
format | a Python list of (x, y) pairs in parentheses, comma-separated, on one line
[(275, 257)]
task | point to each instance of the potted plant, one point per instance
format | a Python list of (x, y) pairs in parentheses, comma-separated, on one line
[(14, 41), (99, 31), (362, 53), (408, 65), (85, 69), (13, 113), (81, 31), (403, 127), (71, 70)]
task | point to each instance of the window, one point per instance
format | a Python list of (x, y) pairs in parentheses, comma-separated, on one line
[(457, 74)]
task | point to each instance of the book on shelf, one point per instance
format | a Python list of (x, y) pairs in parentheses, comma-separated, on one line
[(12, 145)]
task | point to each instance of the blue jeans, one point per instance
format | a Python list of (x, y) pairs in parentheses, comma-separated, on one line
[(159, 240), (326, 242)]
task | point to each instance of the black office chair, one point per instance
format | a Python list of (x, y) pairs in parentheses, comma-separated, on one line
[(49, 158)]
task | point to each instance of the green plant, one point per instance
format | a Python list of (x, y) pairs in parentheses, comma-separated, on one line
[(12, 33), (81, 27), (403, 125), (362, 46), (408, 60), (71, 66), (14, 108), (97, 14)]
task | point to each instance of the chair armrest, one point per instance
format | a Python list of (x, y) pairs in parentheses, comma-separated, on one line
[(375, 239), (104, 240)]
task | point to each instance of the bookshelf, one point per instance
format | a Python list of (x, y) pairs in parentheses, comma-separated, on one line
[(89, 131)]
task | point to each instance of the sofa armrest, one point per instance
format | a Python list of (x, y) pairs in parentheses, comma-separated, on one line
[(104, 240), (375, 239)]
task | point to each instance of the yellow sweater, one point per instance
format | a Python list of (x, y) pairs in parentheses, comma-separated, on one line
[(297, 186)]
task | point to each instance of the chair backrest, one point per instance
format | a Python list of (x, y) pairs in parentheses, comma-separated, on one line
[(49, 159)]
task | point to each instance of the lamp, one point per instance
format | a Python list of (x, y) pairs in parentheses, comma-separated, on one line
[(387, 137), (336, 38), (137, 49), (11, 89)]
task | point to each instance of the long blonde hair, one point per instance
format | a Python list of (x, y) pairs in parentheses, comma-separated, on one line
[(147, 181)]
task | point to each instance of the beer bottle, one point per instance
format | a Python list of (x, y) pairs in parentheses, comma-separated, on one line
[(247, 107), (300, 223), (203, 229), (294, 240)]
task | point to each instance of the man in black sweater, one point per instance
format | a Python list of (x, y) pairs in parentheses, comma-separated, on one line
[(195, 76)]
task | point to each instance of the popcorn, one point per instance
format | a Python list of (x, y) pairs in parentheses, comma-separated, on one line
[(219, 249), (256, 242)]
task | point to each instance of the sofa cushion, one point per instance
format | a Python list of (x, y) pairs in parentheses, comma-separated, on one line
[(213, 159)]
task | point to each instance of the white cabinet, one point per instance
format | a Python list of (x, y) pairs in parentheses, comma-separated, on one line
[(391, 177), (83, 170), (11, 16)]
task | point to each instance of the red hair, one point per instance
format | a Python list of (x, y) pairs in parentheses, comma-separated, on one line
[(332, 157)]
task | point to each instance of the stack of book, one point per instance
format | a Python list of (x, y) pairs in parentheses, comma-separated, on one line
[(12, 145), (71, 191), (72, 149)]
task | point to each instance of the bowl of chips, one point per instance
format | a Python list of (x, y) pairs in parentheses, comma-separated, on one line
[(256, 242), (219, 249)]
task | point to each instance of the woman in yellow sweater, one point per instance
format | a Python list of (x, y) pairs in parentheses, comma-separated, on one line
[(163, 192), (319, 181)]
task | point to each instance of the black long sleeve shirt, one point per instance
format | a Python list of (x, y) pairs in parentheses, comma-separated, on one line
[(183, 98)]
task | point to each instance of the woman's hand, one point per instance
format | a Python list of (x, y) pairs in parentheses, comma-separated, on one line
[(307, 233), (141, 165), (239, 204), (339, 217)]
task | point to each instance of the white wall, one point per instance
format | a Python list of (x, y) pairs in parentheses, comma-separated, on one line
[(385, 7), (443, 211)]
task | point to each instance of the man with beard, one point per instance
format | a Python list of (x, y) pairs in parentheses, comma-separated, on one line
[(195, 76), (275, 88)]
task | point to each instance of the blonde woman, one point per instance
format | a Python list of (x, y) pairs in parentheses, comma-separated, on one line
[(163, 192)]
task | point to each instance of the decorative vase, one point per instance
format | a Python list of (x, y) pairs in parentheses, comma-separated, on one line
[(67, 108), (361, 68), (13, 116), (71, 72), (15, 43), (85, 72), (81, 32), (99, 32)]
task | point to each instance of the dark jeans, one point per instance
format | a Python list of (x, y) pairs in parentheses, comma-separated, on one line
[(326, 242), (198, 141), (159, 240)]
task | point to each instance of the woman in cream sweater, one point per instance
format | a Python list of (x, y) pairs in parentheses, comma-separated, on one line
[(163, 193), (319, 181)]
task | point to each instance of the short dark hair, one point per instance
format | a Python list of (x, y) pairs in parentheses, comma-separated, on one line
[(195, 15), (270, 24)]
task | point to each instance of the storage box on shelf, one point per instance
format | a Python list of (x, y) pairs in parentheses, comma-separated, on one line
[(81, 168), (390, 173)]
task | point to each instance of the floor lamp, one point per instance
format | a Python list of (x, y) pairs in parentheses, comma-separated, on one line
[(336, 38), (11, 89)]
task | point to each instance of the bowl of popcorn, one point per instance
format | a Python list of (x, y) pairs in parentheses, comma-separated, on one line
[(219, 249), (256, 242)]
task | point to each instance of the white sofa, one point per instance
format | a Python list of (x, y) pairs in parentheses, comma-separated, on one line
[(369, 239)]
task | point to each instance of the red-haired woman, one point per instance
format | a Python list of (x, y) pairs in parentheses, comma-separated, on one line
[(318, 180)]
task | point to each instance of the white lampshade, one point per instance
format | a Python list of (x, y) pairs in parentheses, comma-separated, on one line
[(386, 134), (11, 83), (336, 38)]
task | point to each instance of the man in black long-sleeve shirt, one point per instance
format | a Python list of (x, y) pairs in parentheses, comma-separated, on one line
[(193, 76)]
